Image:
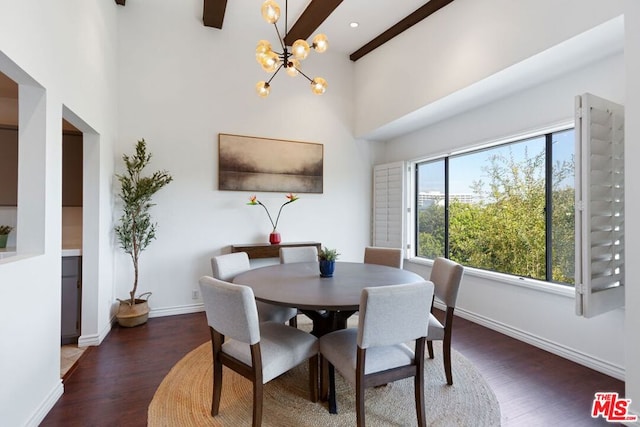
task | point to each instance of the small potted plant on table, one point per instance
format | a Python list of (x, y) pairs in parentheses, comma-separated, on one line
[(327, 261)]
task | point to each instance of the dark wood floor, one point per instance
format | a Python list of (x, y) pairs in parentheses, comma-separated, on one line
[(114, 383)]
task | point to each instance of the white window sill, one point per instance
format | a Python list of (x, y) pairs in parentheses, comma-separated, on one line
[(7, 252), (525, 282)]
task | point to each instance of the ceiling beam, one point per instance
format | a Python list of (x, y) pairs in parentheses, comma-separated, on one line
[(120, 2), (418, 15), (213, 13), (314, 15)]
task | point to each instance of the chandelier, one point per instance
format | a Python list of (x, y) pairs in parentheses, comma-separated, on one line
[(272, 61)]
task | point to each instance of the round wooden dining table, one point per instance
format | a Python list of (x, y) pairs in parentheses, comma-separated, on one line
[(327, 301)]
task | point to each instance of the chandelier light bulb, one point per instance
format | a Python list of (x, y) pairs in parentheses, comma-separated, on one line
[(320, 43), (263, 89), (263, 47), (292, 67), (261, 58), (300, 49), (318, 85), (270, 11), (270, 62)]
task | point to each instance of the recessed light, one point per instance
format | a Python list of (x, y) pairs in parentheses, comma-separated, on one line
[(353, 24)]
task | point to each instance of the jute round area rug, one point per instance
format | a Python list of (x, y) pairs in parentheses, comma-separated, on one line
[(184, 398)]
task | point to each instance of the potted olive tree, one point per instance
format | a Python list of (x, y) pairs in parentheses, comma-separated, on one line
[(135, 229)]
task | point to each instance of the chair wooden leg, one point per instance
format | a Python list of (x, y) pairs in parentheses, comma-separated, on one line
[(216, 347), (313, 378), (293, 321), (360, 402), (324, 379), (419, 393), (446, 352), (217, 388), (333, 406), (257, 403), (419, 384), (430, 349)]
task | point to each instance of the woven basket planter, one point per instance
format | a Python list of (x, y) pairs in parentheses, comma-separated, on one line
[(133, 315)]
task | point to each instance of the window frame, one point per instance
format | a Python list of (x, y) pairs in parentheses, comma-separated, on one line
[(564, 289)]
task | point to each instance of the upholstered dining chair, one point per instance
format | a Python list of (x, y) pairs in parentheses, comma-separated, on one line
[(446, 276), (298, 254), (376, 352), (226, 267), (383, 256), (258, 351)]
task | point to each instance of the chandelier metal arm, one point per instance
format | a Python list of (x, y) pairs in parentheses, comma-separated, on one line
[(280, 39), (276, 72), (305, 76), (286, 19)]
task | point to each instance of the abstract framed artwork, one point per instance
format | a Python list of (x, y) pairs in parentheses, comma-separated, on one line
[(247, 163)]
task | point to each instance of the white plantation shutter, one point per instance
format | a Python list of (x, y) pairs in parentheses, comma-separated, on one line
[(388, 205), (599, 215)]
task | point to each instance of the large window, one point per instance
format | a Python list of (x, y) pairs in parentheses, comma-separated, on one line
[(508, 208)]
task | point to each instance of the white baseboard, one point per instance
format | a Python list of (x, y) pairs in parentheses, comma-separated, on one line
[(584, 359), (46, 405), (173, 311), (95, 339)]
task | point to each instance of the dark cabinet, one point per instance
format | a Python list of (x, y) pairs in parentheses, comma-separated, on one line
[(267, 250), (71, 299)]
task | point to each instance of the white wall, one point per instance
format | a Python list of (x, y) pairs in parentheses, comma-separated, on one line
[(632, 204), (62, 53), (461, 44), (543, 105), (180, 85)]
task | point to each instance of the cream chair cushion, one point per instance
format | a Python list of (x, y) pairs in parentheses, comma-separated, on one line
[(231, 310), (390, 317), (226, 267), (298, 254)]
